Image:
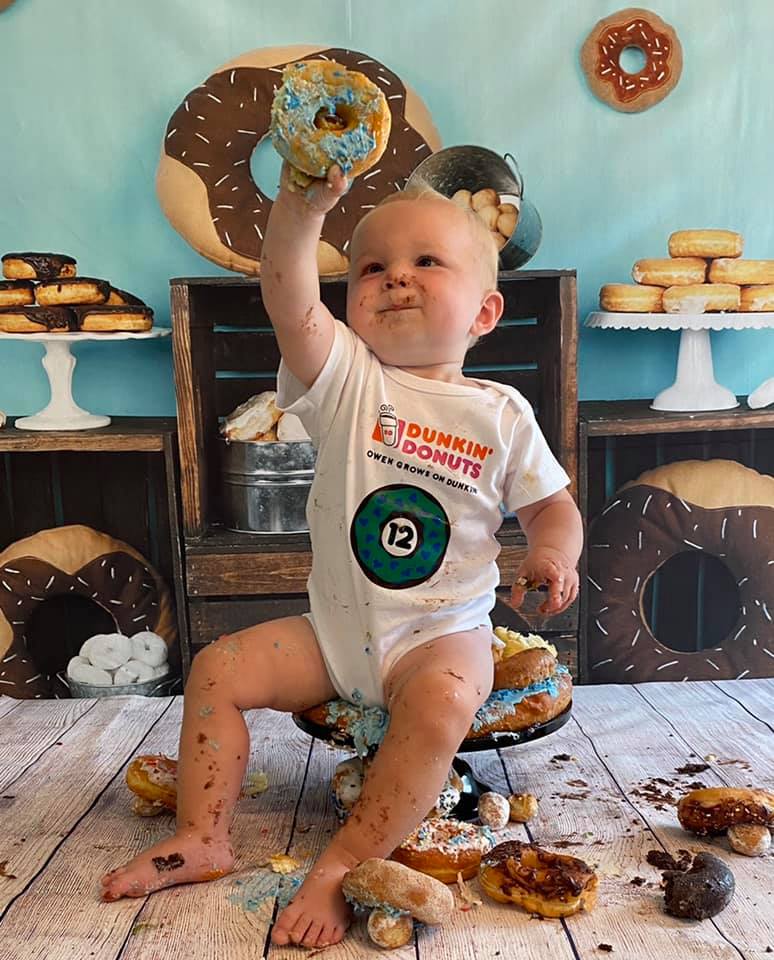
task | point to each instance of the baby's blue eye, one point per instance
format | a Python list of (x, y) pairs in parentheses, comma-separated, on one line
[(372, 268), (426, 261)]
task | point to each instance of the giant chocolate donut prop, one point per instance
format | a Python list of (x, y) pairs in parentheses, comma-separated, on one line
[(719, 507), (204, 182), (601, 53), (74, 561)]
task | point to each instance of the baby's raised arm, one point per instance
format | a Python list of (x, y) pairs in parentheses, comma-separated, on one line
[(290, 283)]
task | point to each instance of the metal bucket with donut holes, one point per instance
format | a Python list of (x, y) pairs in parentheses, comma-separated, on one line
[(476, 168), (266, 485)]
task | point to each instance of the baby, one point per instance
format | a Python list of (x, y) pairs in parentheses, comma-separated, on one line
[(414, 460)]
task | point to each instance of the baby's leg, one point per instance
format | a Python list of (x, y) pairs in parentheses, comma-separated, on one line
[(276, 664), (432, 694)]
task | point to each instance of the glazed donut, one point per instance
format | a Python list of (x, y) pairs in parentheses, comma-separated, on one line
[(729, 270), (386, 883), (324, 114), (104, 319), (37, 266), (670, 272), (713, 810), (16, 293), (705, 243), (442, 848), (630, 298), (71, 290), (701, 298), (37, 320), (73, 561), (758, 299), (253, 418), (153, 778), (513, 710), (522, 669), (601, 53), (346, 786), (549, 884), (717, 508), (204, 181)]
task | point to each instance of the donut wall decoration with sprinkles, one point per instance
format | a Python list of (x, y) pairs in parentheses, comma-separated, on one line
[(716, 507), (601, 60), (74, 561), (204, 182)]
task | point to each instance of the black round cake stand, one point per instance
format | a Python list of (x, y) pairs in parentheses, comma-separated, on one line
[(472, 788)]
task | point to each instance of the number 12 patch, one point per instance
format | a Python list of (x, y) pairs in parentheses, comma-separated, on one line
[(399, 535)]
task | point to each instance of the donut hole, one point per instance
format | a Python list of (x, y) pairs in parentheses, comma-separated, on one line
[(336, 122), (691, 602), (58, 627), (265, 168), (632, 59)]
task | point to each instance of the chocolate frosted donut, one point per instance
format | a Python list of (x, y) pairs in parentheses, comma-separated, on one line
[(204, 181), (37, 266), (25, 319), (72, 290), (101, 318), (16, 293)]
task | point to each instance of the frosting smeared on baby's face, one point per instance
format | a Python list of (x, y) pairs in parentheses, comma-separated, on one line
[(416, 283)]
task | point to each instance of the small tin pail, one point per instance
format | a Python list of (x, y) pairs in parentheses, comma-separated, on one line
[(474, 168), (266, 485)]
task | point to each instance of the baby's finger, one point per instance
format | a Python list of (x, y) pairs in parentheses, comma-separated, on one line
[(553, 602), (337, 181)]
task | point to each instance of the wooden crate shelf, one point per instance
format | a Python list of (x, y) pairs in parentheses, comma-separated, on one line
[(225, 351)]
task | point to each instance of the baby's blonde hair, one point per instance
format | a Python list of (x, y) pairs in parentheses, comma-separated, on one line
[(483, 242)]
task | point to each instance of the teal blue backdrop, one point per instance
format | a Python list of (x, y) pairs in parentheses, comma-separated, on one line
[(88, 87)]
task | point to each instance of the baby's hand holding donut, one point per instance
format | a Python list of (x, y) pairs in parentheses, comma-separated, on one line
[(546, 568), (321, 195)]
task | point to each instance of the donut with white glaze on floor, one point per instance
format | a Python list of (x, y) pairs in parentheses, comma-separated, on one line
[(442, 848), (37, 266), (630, 298), (708, 244)]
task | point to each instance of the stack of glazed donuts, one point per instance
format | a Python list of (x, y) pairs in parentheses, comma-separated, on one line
[(704, 273), (41, 293)]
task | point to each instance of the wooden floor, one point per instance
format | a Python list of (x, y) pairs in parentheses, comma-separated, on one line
[(65, 819)]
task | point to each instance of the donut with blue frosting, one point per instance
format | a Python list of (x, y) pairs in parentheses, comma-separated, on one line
[(324, 114)]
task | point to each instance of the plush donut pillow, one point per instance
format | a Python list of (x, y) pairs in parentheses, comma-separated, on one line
[(204, 182), (716, 506), (74, 561)]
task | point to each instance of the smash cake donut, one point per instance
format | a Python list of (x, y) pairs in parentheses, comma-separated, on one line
[(324, 114), (541, 689)]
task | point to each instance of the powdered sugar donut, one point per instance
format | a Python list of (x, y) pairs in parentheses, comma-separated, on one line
[(149, 648)]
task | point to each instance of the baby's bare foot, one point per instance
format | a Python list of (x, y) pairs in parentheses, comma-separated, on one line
[(318, 914), (187, 858)]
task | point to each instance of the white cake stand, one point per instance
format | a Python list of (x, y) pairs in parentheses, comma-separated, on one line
[(62, 412), (695, 387)]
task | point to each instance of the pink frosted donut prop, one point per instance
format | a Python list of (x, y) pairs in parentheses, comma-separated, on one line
[(324, 114), (204, 182)]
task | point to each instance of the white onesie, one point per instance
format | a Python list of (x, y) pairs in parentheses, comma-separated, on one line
[(405, 503)]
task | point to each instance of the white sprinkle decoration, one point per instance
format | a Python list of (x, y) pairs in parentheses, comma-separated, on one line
[(645, 505), (373, 173), (630, 667), (6, 586), (696, 545), (600, 627), (687, 507), (231, 77), (51, 580), (222, 179), (213, 97), (602, 663), (228, 238), (636, 636), (32, 679), (636, 584), (740, 631), (202, 137), (249, 133), (171, 133), (670, 663), (723, 528), (594, 583), (712, 664), (742, 674), (143, 616), (258, 230), (766, 612), (755, 529)]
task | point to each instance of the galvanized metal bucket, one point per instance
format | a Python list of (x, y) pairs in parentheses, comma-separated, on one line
[(266, 485), (164, 686), (474, 168)]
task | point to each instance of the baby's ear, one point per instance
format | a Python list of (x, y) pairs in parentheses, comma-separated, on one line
[(489, 313)]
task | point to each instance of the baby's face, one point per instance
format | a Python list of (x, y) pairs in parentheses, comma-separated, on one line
[(416, 283)]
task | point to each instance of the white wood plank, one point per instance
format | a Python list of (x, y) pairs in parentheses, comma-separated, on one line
[(34, 728), (171, 921), (582, 805), (636, 745), (50, 796), (7, 704), (757, 696)]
